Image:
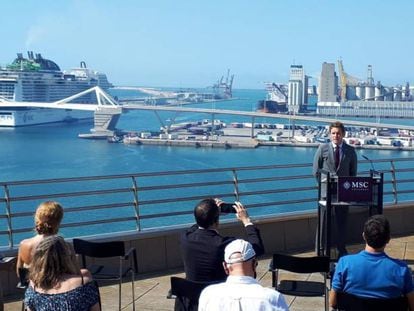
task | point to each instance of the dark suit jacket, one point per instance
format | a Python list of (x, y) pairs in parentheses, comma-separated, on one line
[(324, 159), (203, 252)]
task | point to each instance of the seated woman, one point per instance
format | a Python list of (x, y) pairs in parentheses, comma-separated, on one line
[(48, 216), (56, 282)]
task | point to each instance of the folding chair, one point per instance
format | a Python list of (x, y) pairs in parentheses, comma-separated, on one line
[(6, 264), (349, 302), (105, 273), (301, 265), (186, 293), (23, 283)]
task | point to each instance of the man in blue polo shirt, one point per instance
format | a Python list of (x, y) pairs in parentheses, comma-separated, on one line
[(372, 273)]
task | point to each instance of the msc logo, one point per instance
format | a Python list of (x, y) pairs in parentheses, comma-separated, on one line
[(360, 184), (347, 185), (356, 185)]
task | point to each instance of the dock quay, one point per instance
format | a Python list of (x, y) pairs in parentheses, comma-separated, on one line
[(242, 135)]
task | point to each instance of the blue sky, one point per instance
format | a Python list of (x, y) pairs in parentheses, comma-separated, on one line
[(192, 43)]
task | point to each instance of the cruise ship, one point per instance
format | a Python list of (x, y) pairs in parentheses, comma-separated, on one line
[(37, 79)]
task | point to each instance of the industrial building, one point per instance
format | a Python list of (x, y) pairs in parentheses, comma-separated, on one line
[(297, 89), (351, 96)]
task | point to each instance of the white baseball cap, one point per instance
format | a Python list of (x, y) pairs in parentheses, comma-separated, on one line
[(238, 246)]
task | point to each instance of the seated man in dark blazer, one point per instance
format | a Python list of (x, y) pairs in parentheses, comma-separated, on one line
[(202, 246)]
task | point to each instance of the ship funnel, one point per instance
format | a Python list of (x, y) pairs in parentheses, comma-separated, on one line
[(38, 56), (30, 54), (19, 55), (82, 64)]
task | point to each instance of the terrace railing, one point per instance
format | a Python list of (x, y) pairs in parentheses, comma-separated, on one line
[(136, 202)]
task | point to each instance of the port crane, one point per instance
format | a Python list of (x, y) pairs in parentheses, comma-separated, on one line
[(225, 87), (345, 79)]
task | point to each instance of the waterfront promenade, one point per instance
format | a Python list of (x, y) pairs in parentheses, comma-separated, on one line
[(151, 289)]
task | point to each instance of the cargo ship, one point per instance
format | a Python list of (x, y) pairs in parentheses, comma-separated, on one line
[(276, 99), (37, 79)]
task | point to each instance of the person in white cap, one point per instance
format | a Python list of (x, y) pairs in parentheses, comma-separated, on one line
[(241, 291)]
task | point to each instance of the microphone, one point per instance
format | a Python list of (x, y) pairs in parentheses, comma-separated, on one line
[(370, 161)]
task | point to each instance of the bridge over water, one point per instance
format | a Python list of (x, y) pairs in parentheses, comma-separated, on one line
[(107, 112)]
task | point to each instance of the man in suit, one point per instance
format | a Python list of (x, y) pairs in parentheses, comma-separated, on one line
[(340, 159), (202, 246)]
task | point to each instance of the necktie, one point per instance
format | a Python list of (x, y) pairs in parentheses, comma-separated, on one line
[(337, 157)]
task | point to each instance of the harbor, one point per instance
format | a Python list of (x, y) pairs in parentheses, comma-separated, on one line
[(129, 114), (247, 135)]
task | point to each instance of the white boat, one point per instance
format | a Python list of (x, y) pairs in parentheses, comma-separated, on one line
[(36, 79)]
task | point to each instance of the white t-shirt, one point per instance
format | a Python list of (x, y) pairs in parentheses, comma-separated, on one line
[(241, 293)]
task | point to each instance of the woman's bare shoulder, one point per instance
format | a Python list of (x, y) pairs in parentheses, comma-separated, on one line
[(86, 275)]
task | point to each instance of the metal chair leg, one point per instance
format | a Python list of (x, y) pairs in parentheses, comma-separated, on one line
[(119, 294), (133, 289)]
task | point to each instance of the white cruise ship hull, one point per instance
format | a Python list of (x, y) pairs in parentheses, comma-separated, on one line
[(36, 79), (38, 116)]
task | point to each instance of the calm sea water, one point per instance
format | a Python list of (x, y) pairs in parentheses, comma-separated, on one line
[(52, 151)]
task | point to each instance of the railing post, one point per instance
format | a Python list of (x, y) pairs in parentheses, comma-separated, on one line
[(394, 182), (136, 202), (236, 185), (8, 213)]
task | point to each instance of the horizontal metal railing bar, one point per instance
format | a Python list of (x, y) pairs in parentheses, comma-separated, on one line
[(405, 191), (404, 169), (70, 194), (248, 206), (166, 214), (186, 185), (76, 209), (277, 178), (97, 222), (97, 207), (282, 202), (152, 174), (22, 214), (272, 191), (77, 224), (178, 172), (403, 181), (192, 198)]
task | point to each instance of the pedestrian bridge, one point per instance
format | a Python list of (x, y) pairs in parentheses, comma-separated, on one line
[(107, 112)]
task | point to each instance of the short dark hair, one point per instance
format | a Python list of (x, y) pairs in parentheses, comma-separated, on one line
[(338, 125), (377, 231), (206, 213)]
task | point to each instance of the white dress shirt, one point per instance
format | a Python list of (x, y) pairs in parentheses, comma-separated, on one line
[(241, 293)]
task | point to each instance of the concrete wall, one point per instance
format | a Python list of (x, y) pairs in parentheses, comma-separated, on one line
[(158, 251)]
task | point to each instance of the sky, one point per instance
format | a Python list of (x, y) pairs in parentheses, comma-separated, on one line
[(191, 43)]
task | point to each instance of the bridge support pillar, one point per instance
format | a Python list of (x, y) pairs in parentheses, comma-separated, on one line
[(105, 120)]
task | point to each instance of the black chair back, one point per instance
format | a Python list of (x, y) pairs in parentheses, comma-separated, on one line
[(301, 264), (105, 272), (303, 288), (187, 293), (349, 302), (99, 250)]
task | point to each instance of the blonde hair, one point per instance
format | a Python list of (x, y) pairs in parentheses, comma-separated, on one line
[(48, 216), (52, 259)]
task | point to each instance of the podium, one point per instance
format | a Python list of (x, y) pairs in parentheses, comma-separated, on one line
[(337, 191)]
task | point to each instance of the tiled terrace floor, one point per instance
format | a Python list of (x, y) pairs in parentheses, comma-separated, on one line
[(151, 290)]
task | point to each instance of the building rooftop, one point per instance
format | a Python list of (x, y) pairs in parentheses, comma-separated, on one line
[(151, 289)]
